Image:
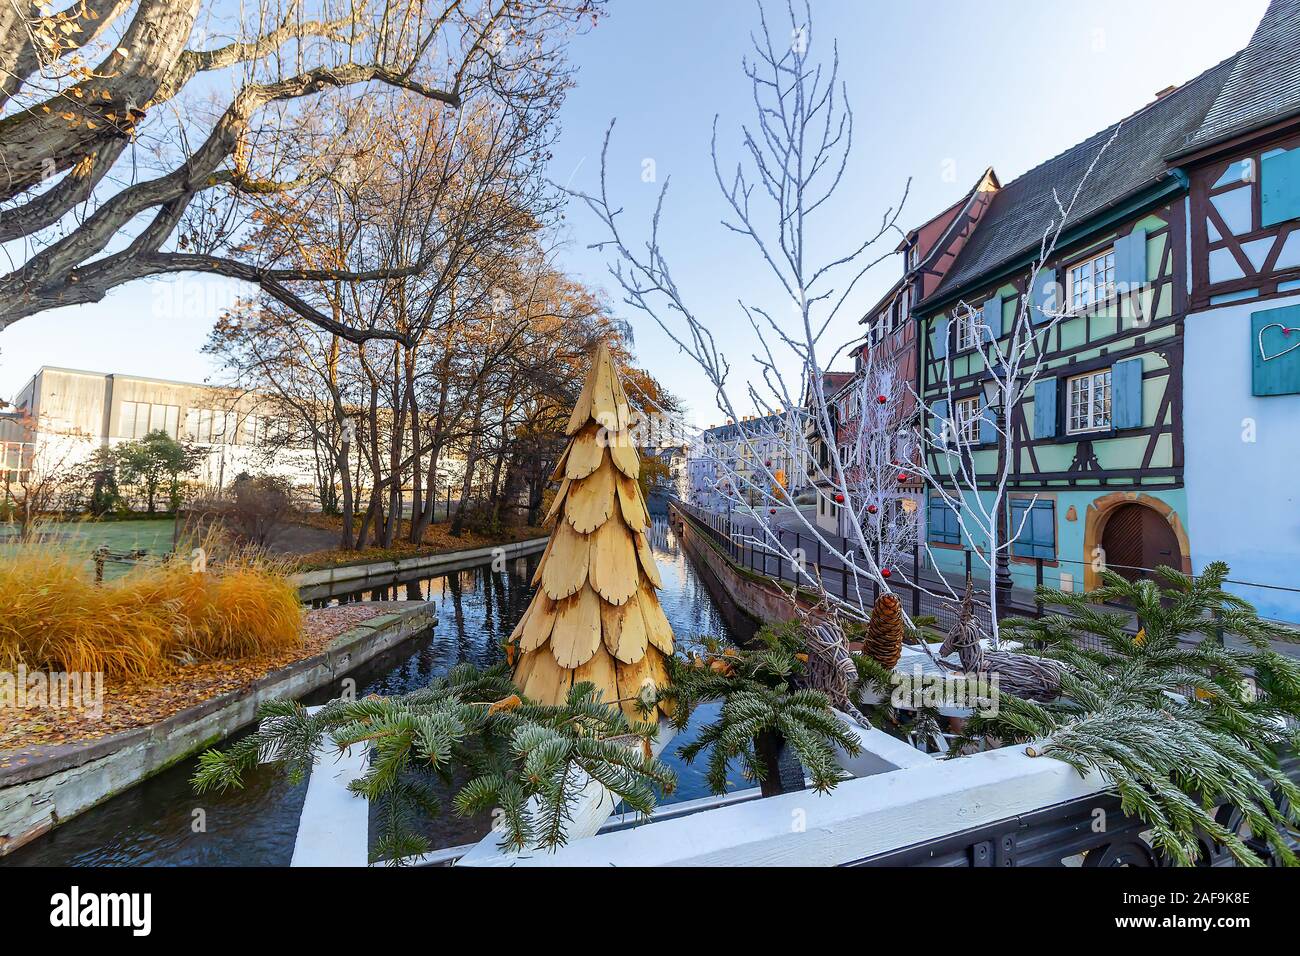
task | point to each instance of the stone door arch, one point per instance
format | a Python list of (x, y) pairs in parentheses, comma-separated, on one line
[(1124, 507)]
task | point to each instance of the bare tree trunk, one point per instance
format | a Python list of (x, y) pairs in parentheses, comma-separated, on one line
[(471, 463), (395, 453), (417, 477)]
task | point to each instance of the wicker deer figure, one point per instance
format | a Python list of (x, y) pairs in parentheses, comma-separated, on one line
[(830, 663), (1034, 678)]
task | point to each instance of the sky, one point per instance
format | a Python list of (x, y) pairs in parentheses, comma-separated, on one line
[(940, 91)]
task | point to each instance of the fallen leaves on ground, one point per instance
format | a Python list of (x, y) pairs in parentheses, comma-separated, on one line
[(437, 540), (132, 704)]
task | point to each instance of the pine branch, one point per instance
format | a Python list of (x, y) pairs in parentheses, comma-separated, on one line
[(523, 759)]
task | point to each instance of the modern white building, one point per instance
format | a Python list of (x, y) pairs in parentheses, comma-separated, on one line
[(67, 413)]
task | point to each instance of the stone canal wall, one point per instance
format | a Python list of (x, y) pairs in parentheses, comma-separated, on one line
[(729, 583), (49, 785), (350, 578)]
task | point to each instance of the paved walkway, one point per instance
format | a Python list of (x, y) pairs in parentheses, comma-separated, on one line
[(936, 603)]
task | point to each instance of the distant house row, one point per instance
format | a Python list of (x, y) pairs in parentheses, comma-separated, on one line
[(1164, 428)]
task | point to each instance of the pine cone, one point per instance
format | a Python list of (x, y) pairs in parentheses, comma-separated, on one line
[(884, 639)]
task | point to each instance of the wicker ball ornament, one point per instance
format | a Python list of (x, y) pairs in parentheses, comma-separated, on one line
[(884, 639)]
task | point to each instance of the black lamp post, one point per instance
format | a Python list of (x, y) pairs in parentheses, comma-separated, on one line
[(1002, 577)]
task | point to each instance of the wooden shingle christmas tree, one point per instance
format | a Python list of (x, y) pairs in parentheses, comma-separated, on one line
[(595, 616)]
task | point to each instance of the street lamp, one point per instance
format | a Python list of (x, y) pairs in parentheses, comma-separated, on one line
[(993, 399)]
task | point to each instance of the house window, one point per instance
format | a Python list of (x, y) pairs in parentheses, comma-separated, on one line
[(1092, 281), (968, 420), (137, 419), (129, 420), (165, 418), (968, 323), (208, 426), (1089, 402), (16, 460), (1033, 523), (943, 526)]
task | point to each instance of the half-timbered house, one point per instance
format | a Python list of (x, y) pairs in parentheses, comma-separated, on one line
[(889, 341), (1241, 352), (1122, 454)]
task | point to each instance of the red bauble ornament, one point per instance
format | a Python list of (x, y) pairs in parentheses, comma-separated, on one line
[(771, 511), (839, 499), (902, 477), (881, 399), (768, 463), (885, 572), (871, 509)]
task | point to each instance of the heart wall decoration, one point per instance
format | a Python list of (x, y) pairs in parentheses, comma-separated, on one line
[(1275, 351), (1265, 353)]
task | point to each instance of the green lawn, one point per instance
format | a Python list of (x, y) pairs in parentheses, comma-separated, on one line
[(85, 536)]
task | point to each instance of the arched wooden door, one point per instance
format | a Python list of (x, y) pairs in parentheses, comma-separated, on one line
[(1137, 537)]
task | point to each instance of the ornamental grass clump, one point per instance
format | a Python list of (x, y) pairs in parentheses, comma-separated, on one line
[(53, 616)]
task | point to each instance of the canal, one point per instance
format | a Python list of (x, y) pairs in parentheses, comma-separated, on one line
[(163, 822)]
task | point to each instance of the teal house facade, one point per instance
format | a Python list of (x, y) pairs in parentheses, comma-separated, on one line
[(1168, 315)]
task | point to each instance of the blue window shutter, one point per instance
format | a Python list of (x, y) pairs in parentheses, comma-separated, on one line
[(993, 318), (988, 424), (939, 337), (939, 410), (1045, 408), (1126, 393), (1035, 528), (1131, 260), (1279, 178), (1044, 528), (1043, 297)]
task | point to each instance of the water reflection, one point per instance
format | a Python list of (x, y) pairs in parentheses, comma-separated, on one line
[(158, 823)]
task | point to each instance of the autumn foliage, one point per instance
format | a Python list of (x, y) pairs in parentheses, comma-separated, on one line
[(144, 623)]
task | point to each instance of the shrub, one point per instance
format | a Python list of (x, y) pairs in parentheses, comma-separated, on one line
[(256, 509), (144, 623)]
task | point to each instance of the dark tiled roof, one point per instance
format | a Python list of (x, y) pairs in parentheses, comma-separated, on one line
[(1265, 82), (836, 380), (1020, 212)]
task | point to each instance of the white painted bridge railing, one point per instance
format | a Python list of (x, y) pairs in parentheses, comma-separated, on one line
[(859, 819), (900, 797)]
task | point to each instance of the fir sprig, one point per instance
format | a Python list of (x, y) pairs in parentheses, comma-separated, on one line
[(526, 762), (1169, 716), (760, 693)]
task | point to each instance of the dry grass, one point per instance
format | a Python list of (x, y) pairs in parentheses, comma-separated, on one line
[(53, 615), (138, 702)]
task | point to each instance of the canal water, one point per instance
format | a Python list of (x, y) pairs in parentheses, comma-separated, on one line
[(163, 822)]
